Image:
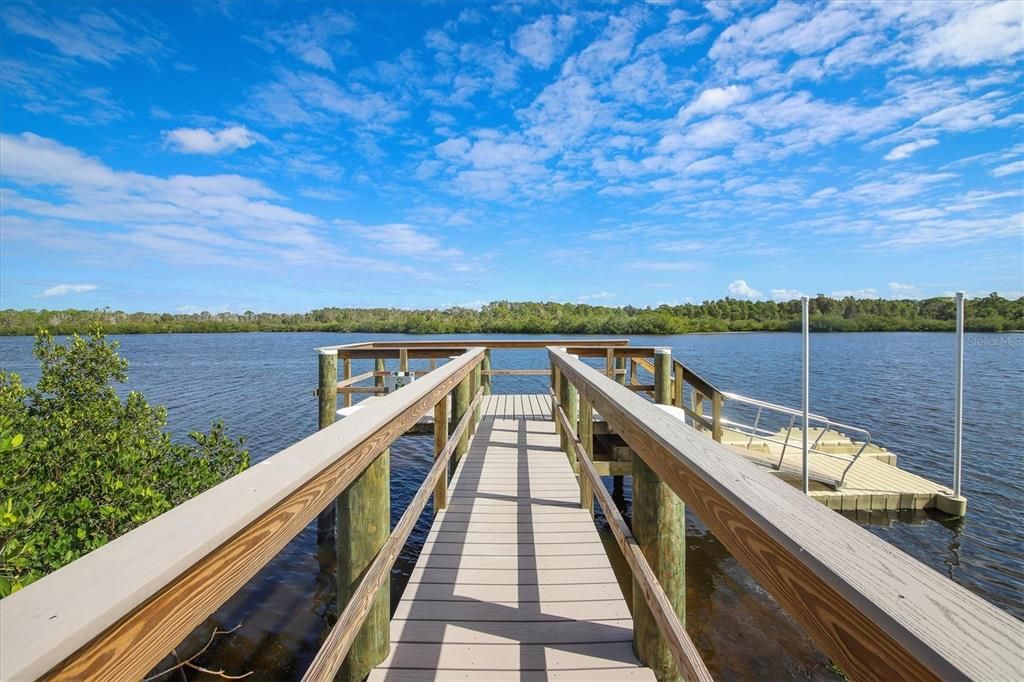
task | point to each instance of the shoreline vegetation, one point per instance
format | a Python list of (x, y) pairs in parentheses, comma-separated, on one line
[(991, 313)]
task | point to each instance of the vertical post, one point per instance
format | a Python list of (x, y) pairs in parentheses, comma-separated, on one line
[(486, 367), (460, 405), (697, 406), (378, 367), (474, 386), (347, 374), (567, 396), (403, 359), (677, 385), (556, 388), (805, 308), (440, 440), (633, 371), (327, 399), (586, 433), (609, 363), (659, 524), (716, 415), (433, 364), (958, 404), (618, 482), (620, 370), (364, 523)]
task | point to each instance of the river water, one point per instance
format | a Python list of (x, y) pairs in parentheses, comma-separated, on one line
[(897, 385)]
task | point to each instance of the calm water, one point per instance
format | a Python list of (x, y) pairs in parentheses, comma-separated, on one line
[(898, 385)]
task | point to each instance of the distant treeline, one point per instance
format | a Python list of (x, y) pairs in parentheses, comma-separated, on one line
[(991, 313)]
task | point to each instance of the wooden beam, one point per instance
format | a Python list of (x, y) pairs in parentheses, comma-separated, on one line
[(684, 652), (342, 637), (116, 612), (873, 609)]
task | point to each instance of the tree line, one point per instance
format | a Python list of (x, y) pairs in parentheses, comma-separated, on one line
[(991, 313)]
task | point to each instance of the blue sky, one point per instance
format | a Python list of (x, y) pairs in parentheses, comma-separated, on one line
[(287, 156)]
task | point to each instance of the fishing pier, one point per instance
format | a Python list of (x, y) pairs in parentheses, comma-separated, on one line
[(514, 581)]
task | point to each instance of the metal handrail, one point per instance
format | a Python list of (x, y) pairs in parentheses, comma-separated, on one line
[(828, 425)]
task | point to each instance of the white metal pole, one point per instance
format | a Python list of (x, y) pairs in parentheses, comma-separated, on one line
[(805, 305), (958, 405)]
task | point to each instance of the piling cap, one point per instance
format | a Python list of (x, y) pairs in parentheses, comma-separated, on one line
[(327, 351), (663, 351)]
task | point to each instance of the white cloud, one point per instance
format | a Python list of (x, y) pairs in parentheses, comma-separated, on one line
[(601, 295), (62, 289), (715, 99), (855, 293), (741, 289), (1007, 169), (202, 141), (786, 294), (905, 150), (400, 239), (977, 33), (544, 40), (315, 39), (899, 290)]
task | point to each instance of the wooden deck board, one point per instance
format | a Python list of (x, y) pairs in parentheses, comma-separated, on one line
[(513, 581)]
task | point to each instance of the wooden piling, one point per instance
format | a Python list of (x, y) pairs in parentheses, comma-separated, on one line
[(697, 406), (460, 405), (486, 367), (586, 433), (440, 440), (378, 366), (659, 524), (327, 399), (568, 397), (347, 374), (716, 416), (620, 370), (364, 524), (403, 360)]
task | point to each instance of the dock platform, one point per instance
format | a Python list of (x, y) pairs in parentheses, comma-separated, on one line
[(513, 581)]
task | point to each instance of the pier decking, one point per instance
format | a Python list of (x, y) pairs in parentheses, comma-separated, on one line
[(513, 579)]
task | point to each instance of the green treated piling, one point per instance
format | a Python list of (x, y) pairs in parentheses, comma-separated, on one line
[(327, 403), (659, 524), (378, 366), (586, 433), (486, 367), (364, 523), (568, 397), (460, 405)]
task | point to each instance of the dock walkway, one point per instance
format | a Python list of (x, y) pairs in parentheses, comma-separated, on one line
[(513, 581)]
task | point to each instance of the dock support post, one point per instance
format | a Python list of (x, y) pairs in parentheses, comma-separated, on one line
[(487, 372), (347, 374), (620, 370), (327, 399), (618, 482), (403, 359), (659, 524), (364, 524), (460, 405), (378, 366), (716, 415), (556, 389), (586, 432), (440, 440), (474, 386), (568, 397)]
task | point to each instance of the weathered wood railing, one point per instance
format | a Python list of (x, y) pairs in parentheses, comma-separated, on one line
[(876, 611), (116, 612)]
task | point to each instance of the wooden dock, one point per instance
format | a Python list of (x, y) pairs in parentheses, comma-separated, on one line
[(513, 581)]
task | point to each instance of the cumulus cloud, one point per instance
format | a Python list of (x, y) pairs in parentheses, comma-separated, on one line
[(544, 40), (62, 289), (786, 294), (900, 290), (400, 239), (715, 99), (905, 150), (741, 289), (977, 34), (203, 141)]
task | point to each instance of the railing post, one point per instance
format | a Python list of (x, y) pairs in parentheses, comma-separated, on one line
[(403, 359), (609, 363), (620, 370), (347, 374), (586, 433), (474, 386), (697, 405), (486, 372), (556, 388), (568, 397), (378, 366), (327, 399), (659, 524), (460, 405), (440, 440), (716, 415)]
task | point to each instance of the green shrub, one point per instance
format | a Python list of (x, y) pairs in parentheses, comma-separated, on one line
[(79, 466)]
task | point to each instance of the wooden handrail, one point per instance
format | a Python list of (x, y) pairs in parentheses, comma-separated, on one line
[(516, 372), (685, 654), (117, 611), (697, 381), (876, 611), (339, 640)]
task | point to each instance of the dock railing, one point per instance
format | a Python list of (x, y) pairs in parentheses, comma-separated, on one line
[(118, 611), (874, 610)]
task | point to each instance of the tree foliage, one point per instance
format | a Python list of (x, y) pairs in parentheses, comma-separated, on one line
[(79, 466), (990, 313)]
